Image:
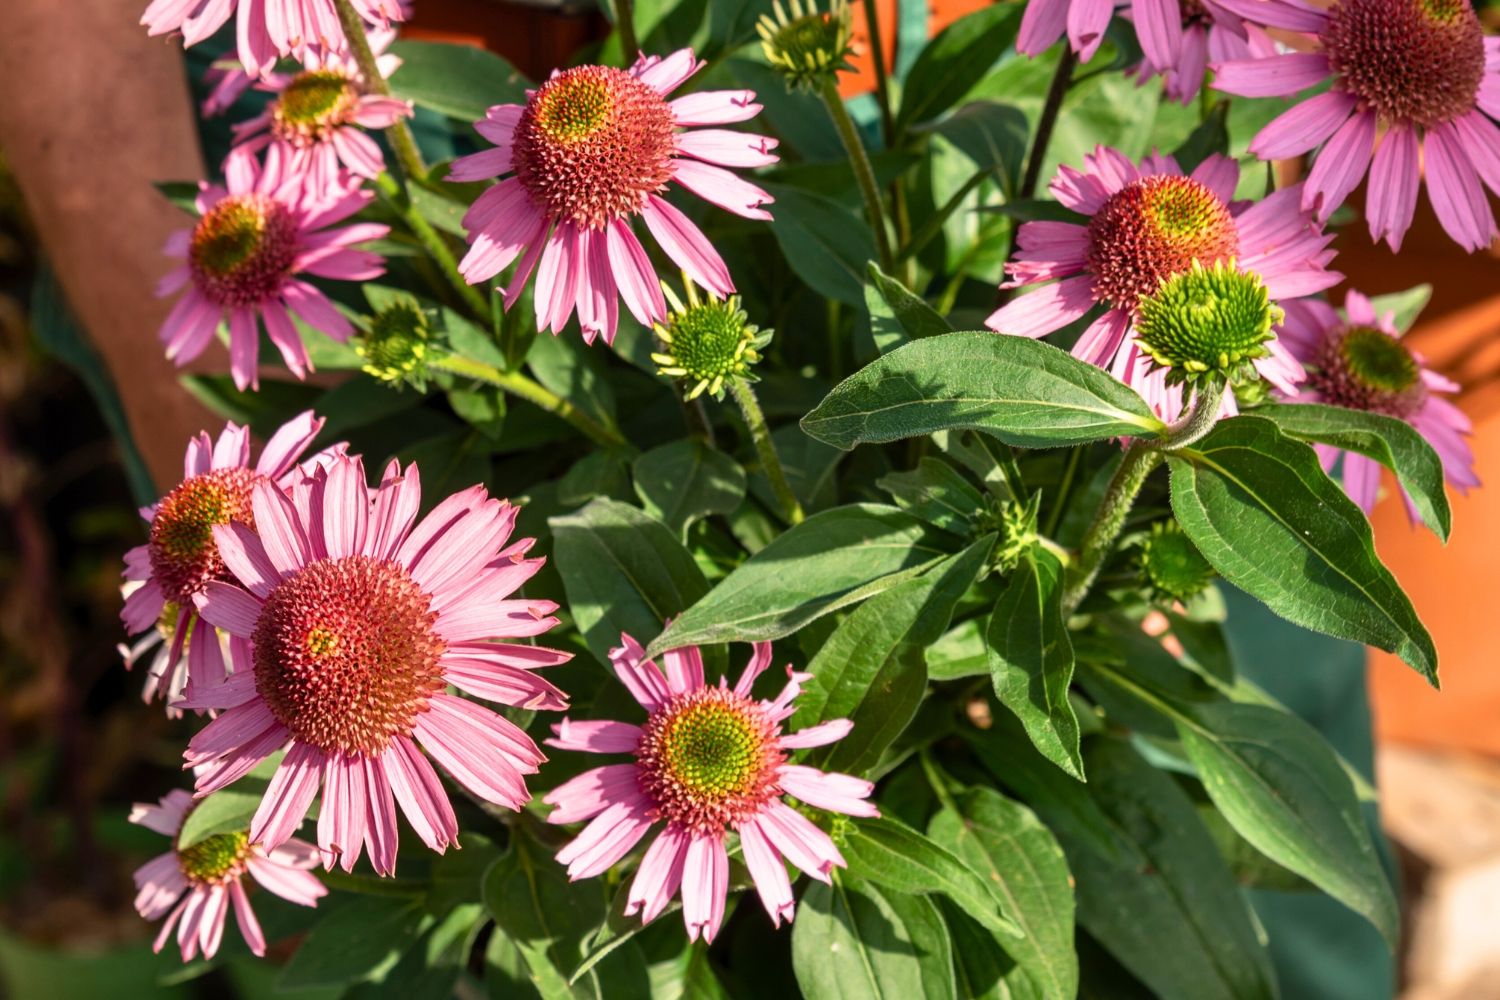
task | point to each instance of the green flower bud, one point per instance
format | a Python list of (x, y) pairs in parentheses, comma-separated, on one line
[(707, 343), (809, 45), (396, 344), (1208, 323), (1016, 524), (1172, 566)]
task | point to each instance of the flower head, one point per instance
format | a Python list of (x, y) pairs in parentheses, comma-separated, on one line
[(1359, 361), (1159, 252), (242, 260), (267, 29), (165, 576), (314, 128), (808, 45), (708, 342), (397, 343), (591, 150), (195, 886), (708, 759), (1414, 83), (1171, 565), (1211, 30), (359, 617)]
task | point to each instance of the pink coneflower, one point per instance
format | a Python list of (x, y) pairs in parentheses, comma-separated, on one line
[(194, 886), (1210, 33), (266, 30), (359, 618), (708, 759), (1359, 361), (242, 259), (1177, 36), (1415, 84), (591, 149), (317, 120), (1145, 225), (168, 572)]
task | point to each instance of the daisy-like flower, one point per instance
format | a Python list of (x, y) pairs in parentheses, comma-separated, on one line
[(163, 577), (1146, 224), (707, 760), (195, 886), (359, 618), (592, 149), (242, 260), (266, 30), (1178, 37), (315, 124), (1415, 85), (1211, 32), (1359, 361)]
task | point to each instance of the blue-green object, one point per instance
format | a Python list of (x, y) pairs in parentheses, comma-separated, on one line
[(1321, 950)]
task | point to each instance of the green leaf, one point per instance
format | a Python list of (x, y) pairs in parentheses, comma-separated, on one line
[(1281, 787), (547, 918), (1407, 305), (433, 964), (623, 570), (1210, 137), (1023, 866), (937, 493), (1160, 898), (827, 562), (1205, 644), (894, 856), (362, 939), (460, 81), (1020, 390), (567, 367), (686, 481), (182, 194), (228, 810), (1393, 443), (991, 134), (897, 314), (948, 65), (1260, 509), (826, 244), (962, 652), (852, 940), (1031, 661)]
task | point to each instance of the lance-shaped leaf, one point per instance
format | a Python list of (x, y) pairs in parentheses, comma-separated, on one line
[(1282, 788), (1393, 443), (687, 480), (827, 562), (1031, 661), (1260, 509), (1022, 391), (852, 939), (897, 315)]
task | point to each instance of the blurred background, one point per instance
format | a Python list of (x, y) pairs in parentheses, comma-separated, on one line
[(92, 423)]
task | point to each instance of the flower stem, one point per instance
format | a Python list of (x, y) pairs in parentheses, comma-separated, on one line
[(1125, 485), (625, 25), (437, 247), (882, 83), (1140, 458), (864, 176), (532, 391), (1061, 79), (770, 462), (402, 141)]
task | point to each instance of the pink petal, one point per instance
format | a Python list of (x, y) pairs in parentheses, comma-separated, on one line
[(419, 792), (1455, 192), (840, 793), (705, 886), (1395, 175), (341, 820), (591, 792), (287, 798), (1049, 308), (1087, 20), (280, 530), (315, 309), (289, 441), (1307, 124), (687, 246), (659, 875), (768, 873), (228, 607), (596, 736), (250, 930), (639, 675), (380, 818), (504, 684), (728, 148), (634, 275), (715, 107), (822, 734), (1158, 24), (609, 837), (1277, 76), (290, 884), (1340, 166), (246, 558), (799, 841), (1042, 24)]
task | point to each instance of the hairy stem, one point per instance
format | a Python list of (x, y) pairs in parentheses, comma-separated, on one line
[(1061, 79), (522, 387), (436, 246), (402, 141), (625, 25), (864, 176), (1199, 420), (755, 419)]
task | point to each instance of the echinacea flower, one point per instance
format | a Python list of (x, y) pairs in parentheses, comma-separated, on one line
[(1142, 226), (708, 759), (708, 343), (807, 46), (1211, 32), (1360, 362), (165, 575), (1415, 84), (359, 617), (195, 886), (1178, 37), (242, 262), (315, 123), (592, 149), (266, 30)]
